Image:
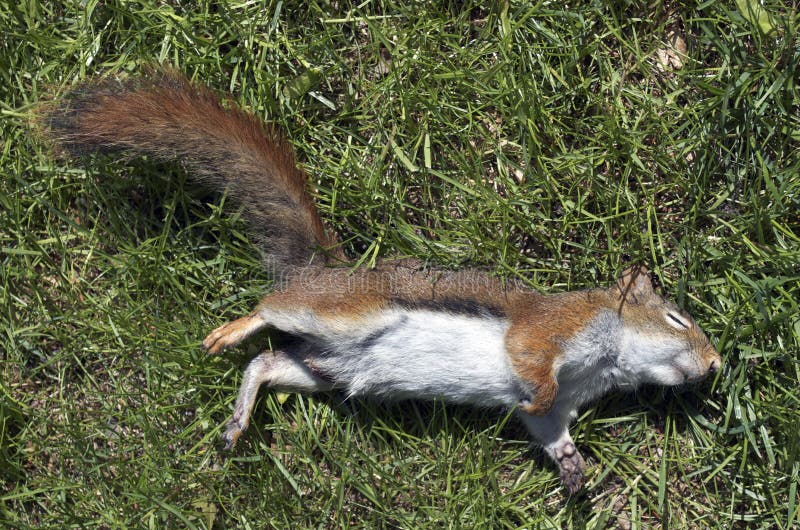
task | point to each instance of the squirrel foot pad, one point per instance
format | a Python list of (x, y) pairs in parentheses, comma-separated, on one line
[(232, 333), (571, 466)]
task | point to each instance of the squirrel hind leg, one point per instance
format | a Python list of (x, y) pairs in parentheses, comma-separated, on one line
[(232, 333), (278, 369)]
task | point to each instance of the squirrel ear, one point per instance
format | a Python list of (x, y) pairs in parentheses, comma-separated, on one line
[(634, 284)]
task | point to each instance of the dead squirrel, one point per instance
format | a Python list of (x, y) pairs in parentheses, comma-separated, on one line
[(397, 331)]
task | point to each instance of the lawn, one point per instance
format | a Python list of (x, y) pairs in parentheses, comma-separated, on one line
[(546, 144)]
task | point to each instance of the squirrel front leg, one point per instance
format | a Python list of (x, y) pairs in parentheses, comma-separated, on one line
[(535, 367), (542, 400), (552, 432), (532, 351)]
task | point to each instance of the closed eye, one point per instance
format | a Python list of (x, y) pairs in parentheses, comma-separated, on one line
[(676, 321)]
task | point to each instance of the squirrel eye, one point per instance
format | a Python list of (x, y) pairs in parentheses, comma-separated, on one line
[(676, 322)]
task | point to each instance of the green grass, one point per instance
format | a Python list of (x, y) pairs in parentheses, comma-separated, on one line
[(530, 141)]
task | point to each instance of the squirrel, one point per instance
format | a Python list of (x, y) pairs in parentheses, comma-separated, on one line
[(399, 330)]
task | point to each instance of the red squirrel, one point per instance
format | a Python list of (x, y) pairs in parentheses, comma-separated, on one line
[(399, 330)]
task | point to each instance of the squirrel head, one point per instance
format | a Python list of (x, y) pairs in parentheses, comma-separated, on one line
[(660, 342)]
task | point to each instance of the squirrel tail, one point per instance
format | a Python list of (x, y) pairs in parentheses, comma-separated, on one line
[(168, 118)]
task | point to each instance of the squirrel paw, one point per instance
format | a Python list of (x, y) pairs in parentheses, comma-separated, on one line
[(232, 433), (231, 333), (534, 408), (541, 400), (571, 466)]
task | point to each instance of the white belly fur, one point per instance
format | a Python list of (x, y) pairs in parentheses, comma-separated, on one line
[(427, 354)]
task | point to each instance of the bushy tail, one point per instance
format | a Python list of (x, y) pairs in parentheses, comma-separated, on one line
[(166, 117)]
